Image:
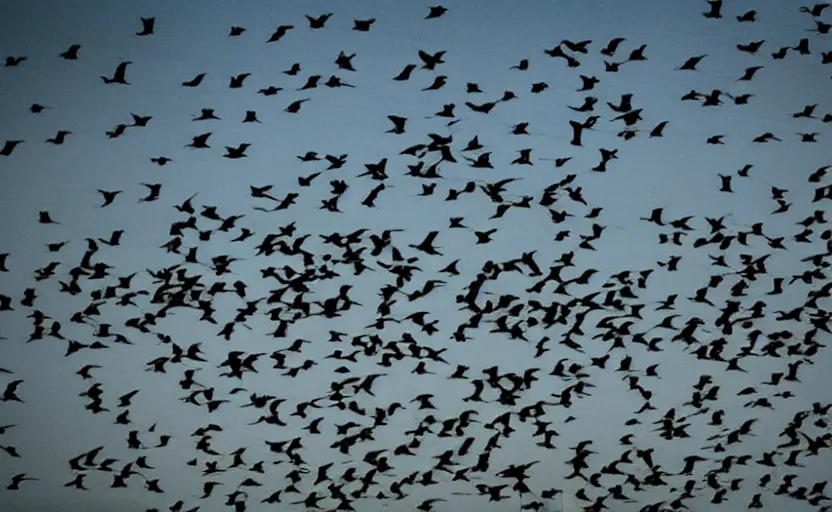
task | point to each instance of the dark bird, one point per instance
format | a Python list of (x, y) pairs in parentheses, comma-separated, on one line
[(59, 137), (119, 75), (658, 130), (9, 147), (199, 141), (45, 218), (398, 124), (611, 47), (17, 480), (752, 47), (14, 61), (279, 32), (426, 245), (10, 393), (139, 121), (109, 196), (816, 10), (294, 107), (436, 12), (319, 22), (747, 17), (715, 11), (438, 83), (71, 53), (363, 25), (431, 60), (236, 82), (577, 132), (147, 26), (404, 74), (236, 153), (749, 73), (638, 54), (251, 117), (588, 83), (726, 183), (195, 81), (691, 63)]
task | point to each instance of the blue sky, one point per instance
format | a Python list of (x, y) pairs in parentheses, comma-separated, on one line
[(482, 40)]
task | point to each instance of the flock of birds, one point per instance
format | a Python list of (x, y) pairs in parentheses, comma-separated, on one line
[(575, 323)]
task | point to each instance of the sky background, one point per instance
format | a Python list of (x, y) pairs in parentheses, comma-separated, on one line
[(482, 40)]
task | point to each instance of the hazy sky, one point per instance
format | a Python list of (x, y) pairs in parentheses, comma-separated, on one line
[(482, 41)]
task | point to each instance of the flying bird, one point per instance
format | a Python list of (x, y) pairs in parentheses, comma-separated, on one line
[(147, 26), (119, 76)]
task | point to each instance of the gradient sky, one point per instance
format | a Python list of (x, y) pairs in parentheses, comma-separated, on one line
[(482, 40)]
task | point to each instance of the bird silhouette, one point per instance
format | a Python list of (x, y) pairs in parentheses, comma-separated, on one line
[(71, 53), (119, 76), (147, 26)]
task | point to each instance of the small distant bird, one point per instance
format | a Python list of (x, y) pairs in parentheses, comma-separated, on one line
[(816, 10), (691, 63), (436, 12), (270, 90), (751, 47), (821, 27), (14, 61), (748, 17), (17, 480), (319, 22), (294, 107), (716, 9), (279, 32), (195, 81), (119, 75), (109, 196), (9, 146), (438, 83), (45, 218), (200, 141), (404, 74), (251, 117), (726, 183), (363, 25), (657, 131), (118, 131), (147, 26), (749, 73), (140, 120), (71, 53), (238, 152), (398, 124), (236, 82), (59, 137), (205, 114), (587, 83), (612, 46)]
